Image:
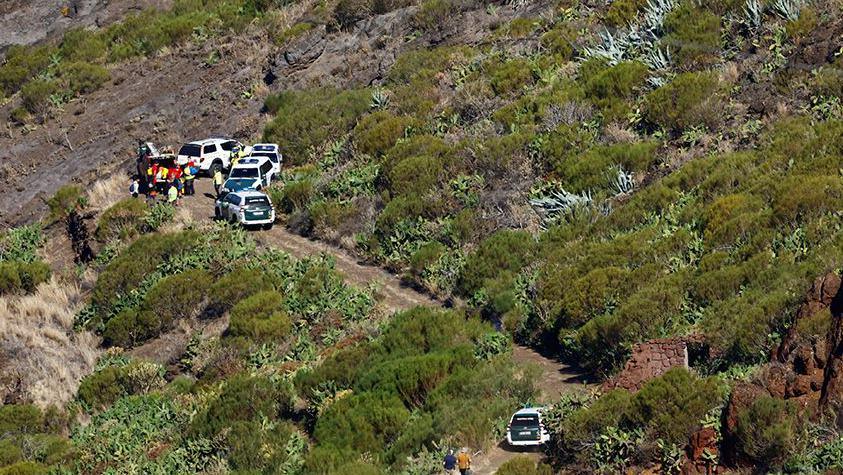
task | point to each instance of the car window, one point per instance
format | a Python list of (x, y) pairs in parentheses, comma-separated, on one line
[(244, 173), (228, 146), (266, 167), (525, 420), (257, 200), (190, 150), (236, 199), (210, 148), (228, 198)]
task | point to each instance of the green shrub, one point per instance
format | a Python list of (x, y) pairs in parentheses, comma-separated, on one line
[(84, 78), (349, 12), (291, 33), (35, 95), (425, 256), (295, 196), (104, 387), (364, 422), (21, 419), (244, 398), (66, 199), (768, 431), (415, 175), (21, 64), (671, 406), (260, 317), (79, 44), (560, 41), (510, 76), (505, 251), (24, 468), (799, 198), (378, 132), (18, 276), (432, 14), (178, 296), (124, 220), (524, 465), (691, 99), (610, 88), (305, 120), (252, 447), (577, 432), (131, 267), (19, 115), (622, 12), (236, 286), (693, 35)]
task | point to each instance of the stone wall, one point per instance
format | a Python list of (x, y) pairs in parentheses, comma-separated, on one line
[(649, 360)]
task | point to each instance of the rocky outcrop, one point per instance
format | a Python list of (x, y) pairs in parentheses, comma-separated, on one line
[(832, 387)]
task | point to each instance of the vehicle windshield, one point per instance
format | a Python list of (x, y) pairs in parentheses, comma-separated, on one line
[(525, 420), (257, 200), (191, 150), (264, 148), (263, 154), (244, 173)]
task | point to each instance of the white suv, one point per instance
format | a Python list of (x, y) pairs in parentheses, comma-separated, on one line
[(249, 173), (270, 151), (247, 208), (209, 155)]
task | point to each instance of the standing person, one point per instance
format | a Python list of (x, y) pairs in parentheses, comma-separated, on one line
[(464, 461), (134, 187), (188, 180), (450, 463), (217, 180), (179, 186), (172, 194)]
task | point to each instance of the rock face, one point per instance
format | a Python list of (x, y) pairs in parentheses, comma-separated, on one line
[(832, 387), (649, 360)]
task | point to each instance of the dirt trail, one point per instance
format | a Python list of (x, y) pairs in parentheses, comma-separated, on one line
[(395, 295)]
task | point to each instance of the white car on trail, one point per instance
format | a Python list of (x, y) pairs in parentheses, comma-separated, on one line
[(208, 155)]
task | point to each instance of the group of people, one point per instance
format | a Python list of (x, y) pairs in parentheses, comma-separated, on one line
[(172, 182), (461, 462)]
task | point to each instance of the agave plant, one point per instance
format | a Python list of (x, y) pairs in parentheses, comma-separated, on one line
[(612, 48), (752, 10), (623, 182), (560, 203), (380, 100), (787, 9), (655, 13)]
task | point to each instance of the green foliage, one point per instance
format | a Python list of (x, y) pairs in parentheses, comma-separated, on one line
[(376, 133), (304, 120), (524, 465), (503, 253), (124, 220), (609, 88), (560, 41), (18, 276), (510, 76), (691, 99), (35, 96), (768, 431), (622, 12), (21, 243), (432, 14), (104, 387), (260, 317), (693, 35), (66, 199), (236, 286), (83, 78), (348, 12), (244, 398), (671, 406), (23, 63)]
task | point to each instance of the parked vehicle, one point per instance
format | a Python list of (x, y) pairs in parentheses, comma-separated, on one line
[(526, 428), (247, 208), (208, 155), (250, 173), (270, 151)]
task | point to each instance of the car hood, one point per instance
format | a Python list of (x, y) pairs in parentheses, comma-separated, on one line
[(239, 184)]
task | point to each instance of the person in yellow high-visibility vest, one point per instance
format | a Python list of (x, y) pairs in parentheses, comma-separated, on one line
[(217, 180)]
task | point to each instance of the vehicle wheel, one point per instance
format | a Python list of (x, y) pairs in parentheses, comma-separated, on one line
[(214, 167), (267, 227)]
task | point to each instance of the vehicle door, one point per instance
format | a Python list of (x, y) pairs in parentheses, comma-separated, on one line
[(266, 172), (225, 206), (275, 158), (209, 152)]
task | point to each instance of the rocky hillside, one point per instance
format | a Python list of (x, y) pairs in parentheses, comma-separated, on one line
[(647, 190)]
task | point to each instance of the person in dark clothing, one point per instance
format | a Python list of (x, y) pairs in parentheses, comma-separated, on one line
[(450, 462)]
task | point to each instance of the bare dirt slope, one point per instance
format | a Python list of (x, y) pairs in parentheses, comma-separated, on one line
[(24, 22)]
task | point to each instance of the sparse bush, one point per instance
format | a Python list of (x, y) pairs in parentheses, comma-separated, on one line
[(693, 35), (349, 12), (84, 78), (524, 465), (415, 175), (610, 88), (432, 14), (622, 12), (260, 317), (236, 286), (79, 44), (304, 120), (768, 431), (104, 387), (503, 252), (122, 220), (510, 76), (244, 398), (376, 133), (66, 199), (16, 276), (692, 99), (560, 41), (35, 96)]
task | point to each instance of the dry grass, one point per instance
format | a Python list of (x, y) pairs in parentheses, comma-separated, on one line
[(106, 192), (36, 334)]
